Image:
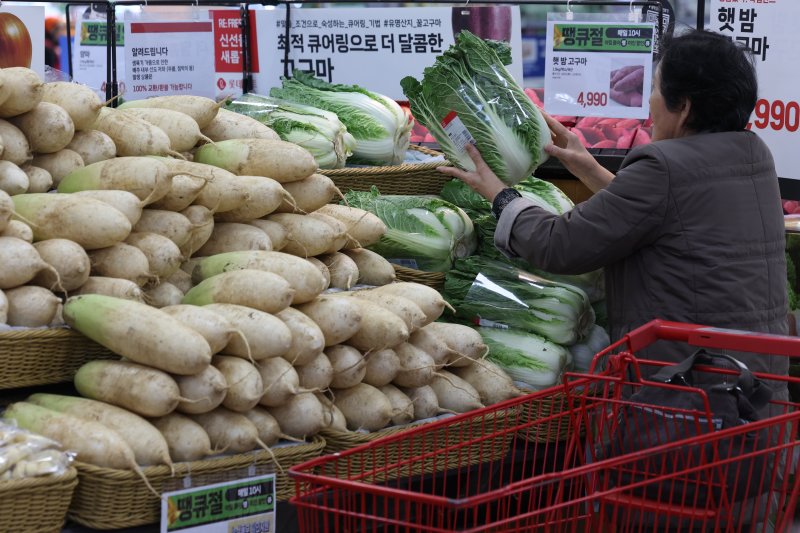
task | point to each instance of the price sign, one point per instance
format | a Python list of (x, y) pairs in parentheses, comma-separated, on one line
[(89, 54), (598, 68), (763, 28)]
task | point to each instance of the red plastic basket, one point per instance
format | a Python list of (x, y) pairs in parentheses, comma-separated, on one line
[(480, 472)]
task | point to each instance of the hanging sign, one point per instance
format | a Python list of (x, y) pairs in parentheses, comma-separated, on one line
[(373, 47), (89, 54), (22, 37), (763, 28), (228, 57), (241, 506), (168, 57), (598, 68)]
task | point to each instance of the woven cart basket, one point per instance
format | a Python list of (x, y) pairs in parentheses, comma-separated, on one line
[(407, 178), (33, 357), (115, 499), (36, 504), (431, 279)]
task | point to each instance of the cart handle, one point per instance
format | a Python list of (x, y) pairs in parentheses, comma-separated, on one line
[(711, 337)]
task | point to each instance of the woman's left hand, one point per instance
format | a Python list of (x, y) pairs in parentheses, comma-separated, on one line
[(482, 179)]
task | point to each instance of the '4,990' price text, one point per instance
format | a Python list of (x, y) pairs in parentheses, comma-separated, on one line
[(593, 99)]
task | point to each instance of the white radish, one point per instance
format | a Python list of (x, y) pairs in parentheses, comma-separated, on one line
[(339, 318), (402, 406), (31, 306), (454, 393), (121, 261), (245, 386), (48, 127), (229, 431), (277, 234), (16, 148), (12, 179), (202, 220), (174, 226), (426, 403), (114, 287), (125, 202), (146, 177), (132, 136), (215, 328), (18, 229), (491, 382), (163, 256), (183, 191), (306, 236), (307, 339), (25, 89), (262, 336), (80, 101), (343, 270), (317, 374), (181, 280), (203, 392), (406, 309), (416, 367), (372, 268), (139, 333), (378, 329), (281, 381), (59, 164), (203, 110), (6, 209), (364, 227), (268, 429), (364, 407), (266, 195), (181, 129), (186, 439), (93, 146), (339, 229), (302, 416), (309, 194), (230, 125), (280, 160), (432, 344), (381, 368), (348, 365), (427, 298), (234, 237), (466, 343), (39, 180), (257, 289), (20, 262), (3, 308), (323, 269), (163, 295)]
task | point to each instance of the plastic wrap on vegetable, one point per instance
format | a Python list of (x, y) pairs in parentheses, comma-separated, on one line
[(468, 96), (25, 454), (527, 358), (490, 293), (423, 232)]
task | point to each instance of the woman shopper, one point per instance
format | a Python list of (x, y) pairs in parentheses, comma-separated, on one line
[(690, 228)]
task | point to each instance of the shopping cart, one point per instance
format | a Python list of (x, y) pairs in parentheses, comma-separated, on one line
[(482, 471)]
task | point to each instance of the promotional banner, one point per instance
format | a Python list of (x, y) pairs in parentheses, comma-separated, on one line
[(228, 57), (168, 57), (89, 54), (373, 47), (763, 28), (22, 37), (598, 68)]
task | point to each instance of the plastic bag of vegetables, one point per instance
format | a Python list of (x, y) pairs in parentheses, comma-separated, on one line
[(527, 358), (468, 93), (380, 126), (488, 292), (423, 232), (318, 131)]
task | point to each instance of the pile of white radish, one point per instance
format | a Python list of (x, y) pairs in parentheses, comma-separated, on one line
[(242, 302)]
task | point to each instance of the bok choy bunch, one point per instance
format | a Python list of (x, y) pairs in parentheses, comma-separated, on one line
[(318, 131), (379, 125), (425, 233), (468, 88), (493, 293)]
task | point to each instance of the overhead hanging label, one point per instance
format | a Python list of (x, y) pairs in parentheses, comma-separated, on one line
[(373, 47), (24, 31), (167, 58), (762, 27), (228, 57), (89, 55), (596, 68), (242, 506)]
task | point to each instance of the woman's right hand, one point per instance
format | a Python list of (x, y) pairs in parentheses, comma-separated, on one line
[(568, 149)]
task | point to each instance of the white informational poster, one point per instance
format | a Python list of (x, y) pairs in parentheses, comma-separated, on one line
[(600, 68), (89, 54), (22, 37), (373, 47), (766, 28), (168, 57)]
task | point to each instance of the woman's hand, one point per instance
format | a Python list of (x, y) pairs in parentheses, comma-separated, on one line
[(482, 180), (568, 149)]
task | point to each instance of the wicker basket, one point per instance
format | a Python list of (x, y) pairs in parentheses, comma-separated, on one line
[(115, 499), (411, 178), (401, 451), (548, 407), (45, 356), (36, 504), (431, 279)]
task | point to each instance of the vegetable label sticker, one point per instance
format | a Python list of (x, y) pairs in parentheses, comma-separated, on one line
[(457, 131), (763, 27), (599, 69), (241, 506)]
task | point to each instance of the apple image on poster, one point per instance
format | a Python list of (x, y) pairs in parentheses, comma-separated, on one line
[(15, 42)]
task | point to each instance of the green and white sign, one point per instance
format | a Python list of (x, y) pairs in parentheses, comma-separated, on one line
[(241, 506), (598, 68)]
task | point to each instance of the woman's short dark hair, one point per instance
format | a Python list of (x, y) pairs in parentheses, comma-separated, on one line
[(716, 75)]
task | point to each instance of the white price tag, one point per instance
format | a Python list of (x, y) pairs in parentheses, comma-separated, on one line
[(457, 131)]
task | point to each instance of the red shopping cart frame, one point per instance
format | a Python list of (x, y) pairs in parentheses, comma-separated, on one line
[(495, 469)]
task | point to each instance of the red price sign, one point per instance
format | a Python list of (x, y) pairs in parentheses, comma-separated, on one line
[(593, 99), (777, 115)]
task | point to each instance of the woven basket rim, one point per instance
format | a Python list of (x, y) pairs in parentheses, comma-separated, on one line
[(432, 276), (13, 485), (35, 334), (401, 169)]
